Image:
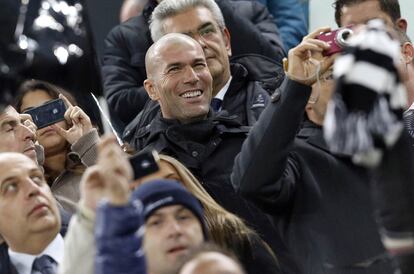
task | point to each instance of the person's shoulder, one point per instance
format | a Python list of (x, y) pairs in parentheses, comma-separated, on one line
[(261, 69), (5, 264), (133, 26)]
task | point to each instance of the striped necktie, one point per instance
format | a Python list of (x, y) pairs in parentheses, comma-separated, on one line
[(409, 122)]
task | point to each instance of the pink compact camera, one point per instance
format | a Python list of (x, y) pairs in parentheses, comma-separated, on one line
[(337, 39)]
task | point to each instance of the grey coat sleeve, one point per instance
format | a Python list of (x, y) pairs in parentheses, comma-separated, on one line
[(122, 80), (86, 147)]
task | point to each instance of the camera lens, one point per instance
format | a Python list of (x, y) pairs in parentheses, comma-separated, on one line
[(342, 37)]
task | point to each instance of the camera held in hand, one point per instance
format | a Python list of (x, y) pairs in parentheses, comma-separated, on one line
[(337, 39)]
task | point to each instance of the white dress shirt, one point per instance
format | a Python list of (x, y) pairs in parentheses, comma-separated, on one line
[(220, 95), (23, 262)]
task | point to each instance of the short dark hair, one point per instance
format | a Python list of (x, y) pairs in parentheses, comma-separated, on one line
[(390, 7), (32, 85)]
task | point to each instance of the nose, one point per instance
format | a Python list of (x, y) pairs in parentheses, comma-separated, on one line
[(200, 39), (26, 133), (31, 188), (190, 76), (174, 228)]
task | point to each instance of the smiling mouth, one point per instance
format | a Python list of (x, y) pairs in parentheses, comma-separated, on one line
[(191, 94)]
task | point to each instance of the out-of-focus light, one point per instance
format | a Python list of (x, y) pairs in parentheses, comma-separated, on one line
[(45, 5), (56, 6), (61, 54), (46, 21), (75, 50), (64, 7), (23, 44)]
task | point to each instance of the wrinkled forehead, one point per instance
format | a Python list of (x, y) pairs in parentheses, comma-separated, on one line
[(15, 164), (179, 51), (8, 113)]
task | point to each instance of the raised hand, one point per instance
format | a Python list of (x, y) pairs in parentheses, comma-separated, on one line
[(109, 178), (78, 121), (306, 62), (116, 169), (27, 121)]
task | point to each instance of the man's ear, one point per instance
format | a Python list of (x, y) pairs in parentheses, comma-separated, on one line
[(402, 24), (151, 90), (227, 40), (407, 51)]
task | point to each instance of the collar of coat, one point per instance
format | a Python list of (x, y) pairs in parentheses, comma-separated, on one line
[(220, 123), (313, 135)]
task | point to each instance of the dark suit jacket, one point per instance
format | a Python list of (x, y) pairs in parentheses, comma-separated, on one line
[(320, 201)]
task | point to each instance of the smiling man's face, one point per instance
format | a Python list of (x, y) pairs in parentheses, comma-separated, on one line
[(179, 79), (14, 135)]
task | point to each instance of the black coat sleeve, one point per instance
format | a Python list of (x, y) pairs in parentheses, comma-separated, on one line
[(393, 197), (257, 257), (252, 20), (266, 170), (123, 70)]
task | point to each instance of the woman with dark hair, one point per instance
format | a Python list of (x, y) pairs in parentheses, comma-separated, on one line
[(69, 146)]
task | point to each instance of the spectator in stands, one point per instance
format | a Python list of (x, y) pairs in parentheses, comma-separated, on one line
[(69, 146), (225, 229), (17, 133), (123, 67), (289, 171), (349, 12), (174, 221), (29, 218)]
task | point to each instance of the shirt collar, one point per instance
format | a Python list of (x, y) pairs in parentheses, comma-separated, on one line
[(220, 95), (23, 262)]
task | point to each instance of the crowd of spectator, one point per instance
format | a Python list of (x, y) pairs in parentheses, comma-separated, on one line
[(274, 150)]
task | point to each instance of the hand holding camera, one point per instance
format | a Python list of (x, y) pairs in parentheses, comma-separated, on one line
[(78, 121), (336, 39), (306, 61), (27, 120)]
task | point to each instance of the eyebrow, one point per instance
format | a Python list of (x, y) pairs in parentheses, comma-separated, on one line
[(34, 170), (8, 121), (160, 214), (181, 209), (180, 64), (176, 64), (208, 24)]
